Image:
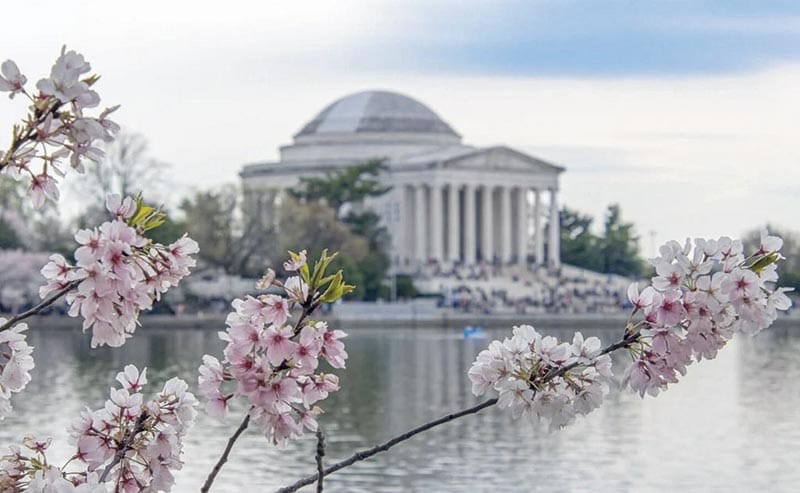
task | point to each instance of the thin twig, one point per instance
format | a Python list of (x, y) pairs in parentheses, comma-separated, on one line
[(224, 458), (124, 446), (320, 455), (626, 341), (41, 306), (365, 454)]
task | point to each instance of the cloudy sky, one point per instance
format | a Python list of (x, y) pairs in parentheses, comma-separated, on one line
[(684, 112)]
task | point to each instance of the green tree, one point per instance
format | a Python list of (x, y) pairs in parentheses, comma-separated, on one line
[(376, 263), (9, 240), (579, 246), (16, 214), (616, 251), (620, 245), (350, 185)]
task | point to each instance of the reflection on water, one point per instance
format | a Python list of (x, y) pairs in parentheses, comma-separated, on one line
[(731, 425)]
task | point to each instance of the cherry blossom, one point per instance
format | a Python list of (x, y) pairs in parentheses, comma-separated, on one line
[(127, 445), (296, 261), (271, 364), (702, 295), (542, 379), (56, 128), (12, 80), (16, 363), (118, 273)]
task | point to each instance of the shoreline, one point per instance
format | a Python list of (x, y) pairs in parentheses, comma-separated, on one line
[(445, 320)]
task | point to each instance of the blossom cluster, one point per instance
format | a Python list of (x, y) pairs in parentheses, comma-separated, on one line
[(273, 364), (541, 379), (127, 446), (118, 272), (702, 294), (16, 363), (56, 128)]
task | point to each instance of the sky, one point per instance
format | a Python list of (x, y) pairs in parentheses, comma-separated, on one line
[(683, 112)]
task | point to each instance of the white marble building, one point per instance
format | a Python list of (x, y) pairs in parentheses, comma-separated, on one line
[(449, 202)]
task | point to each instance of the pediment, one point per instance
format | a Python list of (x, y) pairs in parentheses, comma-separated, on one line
[(501, 159)]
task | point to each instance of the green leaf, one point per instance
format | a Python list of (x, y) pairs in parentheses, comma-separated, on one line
[(334, 291), (764, 261)]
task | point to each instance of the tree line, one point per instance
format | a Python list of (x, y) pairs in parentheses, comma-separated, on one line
[(241, 233), (614, 251)]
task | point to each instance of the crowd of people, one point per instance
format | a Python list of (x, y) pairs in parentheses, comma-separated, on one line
[(485, 288)]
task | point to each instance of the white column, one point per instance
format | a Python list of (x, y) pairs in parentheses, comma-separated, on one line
[(469, 224), (453, 223), (399, 226), (554, 243), (505, 223), (522, 226), (437, 221), (420, 252), (486, 224), (537, 227)]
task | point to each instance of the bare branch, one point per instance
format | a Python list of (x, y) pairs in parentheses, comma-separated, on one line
[(124, 445), (224, 458), (365, 454), (626, 341), (41, 306), (320, 455)]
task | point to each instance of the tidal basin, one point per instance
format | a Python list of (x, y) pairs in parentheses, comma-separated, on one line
[(731, 424)]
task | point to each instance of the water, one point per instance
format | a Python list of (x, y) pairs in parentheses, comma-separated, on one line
[(730, 425)]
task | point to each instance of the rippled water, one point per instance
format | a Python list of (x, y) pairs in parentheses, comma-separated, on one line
[(731, 425)]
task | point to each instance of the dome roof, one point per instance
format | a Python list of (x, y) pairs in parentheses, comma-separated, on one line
[(376, 112)]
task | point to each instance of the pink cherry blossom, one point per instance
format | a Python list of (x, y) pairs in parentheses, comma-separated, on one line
[(279, 344), (769, 244), (668, 307), (56, 127), (295, 264), (717, 296), (16, 362), (42, 187), (296, 289), (133, 445), (272, 364), (118, 273), (131, 379), (119, 207), (519, 369), (11, 80)]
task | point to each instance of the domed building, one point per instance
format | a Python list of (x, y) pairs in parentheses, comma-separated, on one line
[(449, 202)]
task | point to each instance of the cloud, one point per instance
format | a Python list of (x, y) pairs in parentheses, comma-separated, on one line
[(578, 38)]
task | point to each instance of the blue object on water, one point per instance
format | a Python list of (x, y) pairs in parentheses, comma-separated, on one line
[(473, 332)]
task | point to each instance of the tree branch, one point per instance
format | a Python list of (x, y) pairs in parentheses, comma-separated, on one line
[(224, 458), (320, 455), (124, 446), (627, 340), (365, 454), (41, 306)]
